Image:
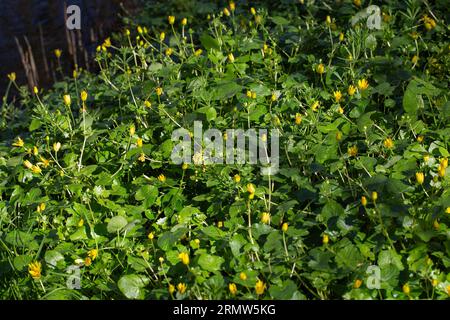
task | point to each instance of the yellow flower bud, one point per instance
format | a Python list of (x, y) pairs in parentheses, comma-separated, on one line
[(184, 257), (67, 99), (233, 289), (171, 19), (84, 95), (420, 177)]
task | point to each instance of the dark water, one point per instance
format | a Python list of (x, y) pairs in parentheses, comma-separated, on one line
[(20, 18)]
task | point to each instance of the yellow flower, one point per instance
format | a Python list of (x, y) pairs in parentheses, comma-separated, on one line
[(35, 90), (139, 142), (220, 224), (265, 218), (429, 23), (56, 146), (253, 11), (364, 201), (67, 99), (420, 177), (107, 43), (12, 76), (298, 118), (198, 52), (325, 239), (352, 151), (351, 90), (434, 282), (58, 53), (127, 32), (75, 74), (162, 36), (184, 22), (142, 157), (253, 95), (147, 104), (132, 130), (36, 169), (363, 84), (27, 164), (159, 91), (181, 288), (232, 6), (93, 254), (231, 57), (139, 30), (251, 188), (87, 261), (426, 158), (35, 151), (81, 223), (357, 284), (338, 136), (284, 227), (274, 97), (151, 236), (388, 143), (443, 162), (447, 210), (341, 37), (243, 276), (40, 208), (260, 287), (161, 259), (171, 288), (448, 289), (315, 106), (420, 139), (357, 3), (185, 166), (320, 69), (406, 289), (328, 20), (18, 143), (169, 52), (161, 178), (84, 95), (34, 269), (337, 95), (226, 12), (233, 289), (171, 19), (441, 171), (374, 196), (415, 59), (237, 178)]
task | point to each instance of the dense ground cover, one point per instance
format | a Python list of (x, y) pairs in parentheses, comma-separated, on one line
[(359, 209)]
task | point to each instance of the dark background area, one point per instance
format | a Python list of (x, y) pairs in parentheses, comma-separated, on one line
[(42, 23)]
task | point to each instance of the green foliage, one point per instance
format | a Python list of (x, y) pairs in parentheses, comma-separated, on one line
[(93, 185)]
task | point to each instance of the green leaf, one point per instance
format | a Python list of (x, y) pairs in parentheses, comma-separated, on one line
[(35, 124), (22, 261), (210, 262), (209, 42), (116, 224), (52, 257), (132, 285), (148, 194), (285, 291)]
